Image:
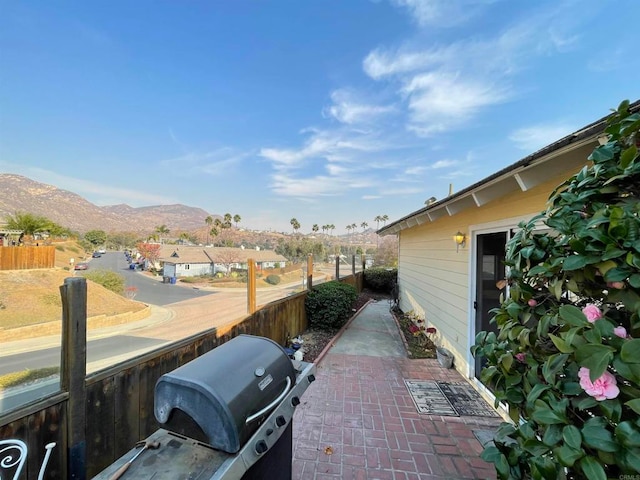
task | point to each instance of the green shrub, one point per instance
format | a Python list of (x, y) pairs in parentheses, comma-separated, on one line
[(566, 357), (60, 248), (272, 279), (380, 279), (110, 280), (329, 305)]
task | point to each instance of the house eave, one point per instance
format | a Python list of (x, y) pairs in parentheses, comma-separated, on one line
[(522, 175)]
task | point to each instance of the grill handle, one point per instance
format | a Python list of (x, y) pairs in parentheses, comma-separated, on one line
[(272, 405)]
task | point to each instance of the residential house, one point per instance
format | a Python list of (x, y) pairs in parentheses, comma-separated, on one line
[(454, 284), (190, 261)]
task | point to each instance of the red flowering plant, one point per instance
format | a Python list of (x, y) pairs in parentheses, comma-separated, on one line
[(566, 358)]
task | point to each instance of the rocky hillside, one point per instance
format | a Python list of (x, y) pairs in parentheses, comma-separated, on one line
[(21, 194)]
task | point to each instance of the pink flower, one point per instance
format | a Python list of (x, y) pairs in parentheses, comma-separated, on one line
[(620, 332), (521, 357), (592, 312), (616, 285), (431, 330), (532, 302), (603, 388)]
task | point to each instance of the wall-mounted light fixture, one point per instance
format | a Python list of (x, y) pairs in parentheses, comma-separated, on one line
[(460, 240)]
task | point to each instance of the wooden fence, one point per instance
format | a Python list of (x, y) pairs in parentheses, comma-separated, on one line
[(24, 257), (98, 418)]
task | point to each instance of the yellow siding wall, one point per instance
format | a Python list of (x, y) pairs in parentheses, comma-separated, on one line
[(434, 278)]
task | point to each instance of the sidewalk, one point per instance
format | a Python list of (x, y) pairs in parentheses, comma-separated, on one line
[(358, 421)]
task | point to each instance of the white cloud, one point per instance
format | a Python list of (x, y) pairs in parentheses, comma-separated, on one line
[(441, 13), (348, 109), (370, 197), (444, 164), (537, 136), (439, 101)]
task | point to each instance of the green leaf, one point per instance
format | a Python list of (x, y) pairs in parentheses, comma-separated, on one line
[(561, 344), (592, 469), (572, 436), (573, 315), (553, 435), (630, 351), (535, 447), (587, 402), (546, 416), (553, 365), (596, 435), (632, 459), (628, 434), (567, 456), (546, 466), (634, 405), (617, 274), (634, 280), (628, 156), (574, 262), (535, 392), (595, 357), (490, 454), (612, 409)]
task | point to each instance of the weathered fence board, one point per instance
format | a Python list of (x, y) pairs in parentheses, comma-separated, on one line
[(25, 257)]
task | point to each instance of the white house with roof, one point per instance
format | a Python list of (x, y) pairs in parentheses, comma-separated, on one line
[(191, 261)]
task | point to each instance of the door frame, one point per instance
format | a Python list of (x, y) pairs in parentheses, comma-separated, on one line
[(504, 225)]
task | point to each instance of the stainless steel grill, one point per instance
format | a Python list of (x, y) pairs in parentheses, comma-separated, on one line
[(225, 415)]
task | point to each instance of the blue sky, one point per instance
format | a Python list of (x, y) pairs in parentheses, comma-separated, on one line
[(332, 112)]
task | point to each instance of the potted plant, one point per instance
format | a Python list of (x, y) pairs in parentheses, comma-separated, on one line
[(444, 356)]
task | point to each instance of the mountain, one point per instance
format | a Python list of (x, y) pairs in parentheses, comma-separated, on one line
[(21, 194)]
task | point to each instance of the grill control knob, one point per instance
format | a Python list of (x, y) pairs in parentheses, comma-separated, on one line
[(311, 378), (281, 421), (261, 447), (269, 431), (295, 401)]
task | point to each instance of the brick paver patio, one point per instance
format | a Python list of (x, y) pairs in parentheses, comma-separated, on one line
[(358, 421)]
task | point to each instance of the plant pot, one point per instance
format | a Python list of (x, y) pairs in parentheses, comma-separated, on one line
[(445, 357)]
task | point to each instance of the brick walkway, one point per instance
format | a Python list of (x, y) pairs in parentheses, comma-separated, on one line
[(358, 421)]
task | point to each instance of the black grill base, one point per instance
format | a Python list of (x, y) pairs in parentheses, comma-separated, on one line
[(276, 462)]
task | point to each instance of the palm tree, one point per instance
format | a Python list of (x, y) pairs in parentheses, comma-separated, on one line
[(209, 222), (332, 228), (364, 225), (378, 219), (324, 228), (385, 217), (214, 233), (315, 228), (295, 224), (227, 220), (162, 230), (236, 219)]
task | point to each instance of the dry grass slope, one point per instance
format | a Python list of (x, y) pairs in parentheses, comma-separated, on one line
[(30, 297)]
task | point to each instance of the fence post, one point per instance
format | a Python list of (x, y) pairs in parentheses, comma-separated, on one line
[(251, 286), (74, 370), (337, 267), (309, 271), (353, 264)]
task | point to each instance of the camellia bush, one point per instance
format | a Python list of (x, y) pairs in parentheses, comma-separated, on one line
[(566, 358)]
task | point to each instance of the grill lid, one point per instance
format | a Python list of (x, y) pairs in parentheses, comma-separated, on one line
[(228, 391)]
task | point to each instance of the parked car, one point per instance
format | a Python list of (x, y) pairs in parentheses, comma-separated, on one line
[(81, 266), (102, 251), (96, 255)]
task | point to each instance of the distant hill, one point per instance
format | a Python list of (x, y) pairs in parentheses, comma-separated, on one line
[(21, 194)]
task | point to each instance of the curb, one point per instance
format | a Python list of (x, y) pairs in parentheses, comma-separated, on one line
[(402, 337), (328, 346)]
